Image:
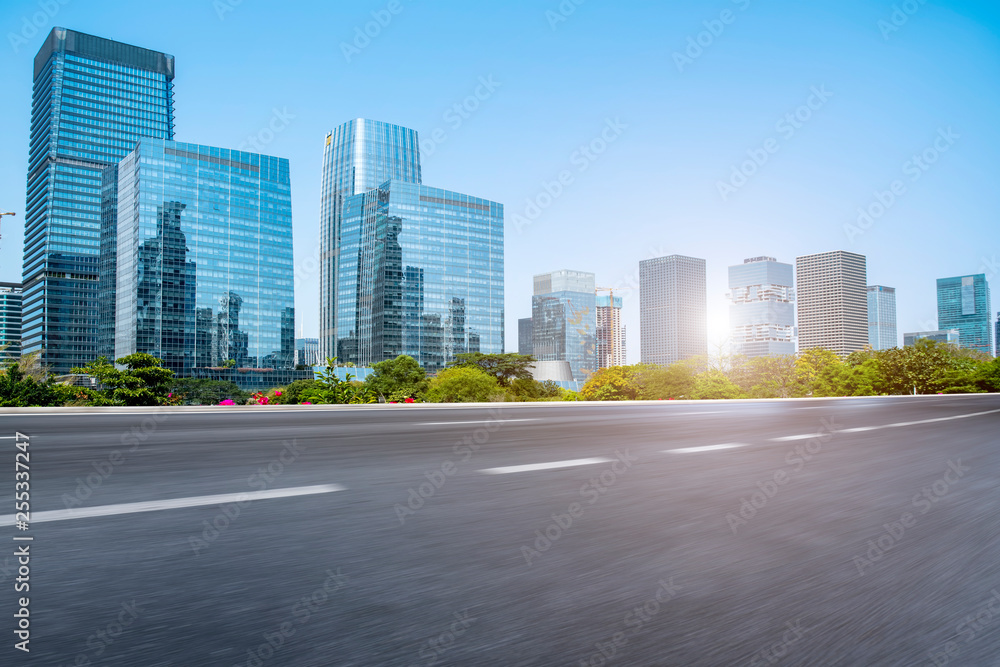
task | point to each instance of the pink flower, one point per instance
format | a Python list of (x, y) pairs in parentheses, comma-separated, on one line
[(228, 401), (408, 400), (306, 403), (170, 395), (277, 393)]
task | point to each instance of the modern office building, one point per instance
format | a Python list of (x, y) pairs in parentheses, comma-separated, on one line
[(964, 304), (882, 317), (832, 301), (307, 351), (672, 309), (92, 100), (610, 332), (762, 307), (524, 341), (10, 321), (564, 320), (204, 260), (951, 336), (996, 337), (420, 273), (358, 157)]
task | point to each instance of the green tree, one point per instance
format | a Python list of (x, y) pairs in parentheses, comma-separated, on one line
[(398, 378), (713, 383), (617, 383), (203, 391), (818, 372), (330, 389), (526, 389), (143, 382), (504, 367), (18, 390), (294, 392), (987, 376), (666, 382), (463, 384)]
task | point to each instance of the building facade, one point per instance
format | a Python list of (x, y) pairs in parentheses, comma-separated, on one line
[(307, 352), (951, 336), (92, 100), (10, 321), (420, 273), (525, 345), (359, 156), (832, 302), (882, 317), (564, 320), (204, 260), (762, 307), (610, 332), (672, 309), (964, 304)]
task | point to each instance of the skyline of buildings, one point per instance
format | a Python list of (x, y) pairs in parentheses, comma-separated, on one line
[(672, 309), (964, 304), (762, 307), (882, 333), (832, 306)]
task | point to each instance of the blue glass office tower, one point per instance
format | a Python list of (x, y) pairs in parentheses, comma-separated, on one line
[(420, 273), (673, 308), (10, 321), (92, 100), (204, 260), (359, 156), (882, 317), (964, 304), (564, 320), (762, 308)]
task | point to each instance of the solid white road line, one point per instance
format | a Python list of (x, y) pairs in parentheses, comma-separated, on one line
[(545, 466), (804, 436), (706, 448), (859, 429), (173, 503), (478, 421), (703, 412)]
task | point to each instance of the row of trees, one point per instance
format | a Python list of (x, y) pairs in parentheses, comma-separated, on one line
[(140, 379)]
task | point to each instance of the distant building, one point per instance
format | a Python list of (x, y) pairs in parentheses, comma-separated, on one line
[(307, 351), (832, 302), (564, 320), (882, 317), (672, 309), (524, 343), (10, 321), (964, 304), (205, 279), (996, 337), (762, 308), (951, 336), (610, 333)]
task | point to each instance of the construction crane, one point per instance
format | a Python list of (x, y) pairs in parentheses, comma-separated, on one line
[(1, 218), (611, 338)]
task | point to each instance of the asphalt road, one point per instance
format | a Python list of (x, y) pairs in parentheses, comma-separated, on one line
[(814, 532)]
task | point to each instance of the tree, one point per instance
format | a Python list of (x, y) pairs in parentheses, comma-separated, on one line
[(526, 389), (987, 376), (673, 381), (199, 391), (462, 384), (143, 382), (769, 377), (294, 392), (18, 390), (617, 383), (329, 388), (504, 367), (818, 373), (713, 383), (398, 378)]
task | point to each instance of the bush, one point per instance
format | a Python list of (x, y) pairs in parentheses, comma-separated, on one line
[(462, 385), (398, 379), (20, 391)]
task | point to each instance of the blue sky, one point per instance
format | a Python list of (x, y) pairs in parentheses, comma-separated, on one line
[(683, 93)]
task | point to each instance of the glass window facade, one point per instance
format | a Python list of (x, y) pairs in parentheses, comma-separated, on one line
[(92, 100), (419, 272), (762, 307), (564, 320), (964, 304), (672, 309), (525, 344), (10, 320), (882, 317), (204, 259), (832, 302), (610, 333)]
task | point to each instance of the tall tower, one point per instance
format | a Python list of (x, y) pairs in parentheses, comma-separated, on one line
[(564, 320), (672, 309), (610, 332), (882, 317), (964, 303), (92, 100), (762, 312), (832, 301), (359, 156)]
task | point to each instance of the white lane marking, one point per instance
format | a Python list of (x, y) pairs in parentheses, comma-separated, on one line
[(804, 436), (704, 412), (545, 466), (706, 448), (858, 429), (173, 503), (478, 421)]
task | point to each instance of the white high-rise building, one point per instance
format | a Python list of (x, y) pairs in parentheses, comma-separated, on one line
[(672, 309), (832, 301), (882, 317), (762, 308), (610, 332)]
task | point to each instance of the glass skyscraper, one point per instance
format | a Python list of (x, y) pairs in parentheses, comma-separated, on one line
[(359, 156), (672, 309), (882, 317), (10, 320), (762, 308), (525, 344), (564, 320), (204, 260), (964, 304), (92, 100)]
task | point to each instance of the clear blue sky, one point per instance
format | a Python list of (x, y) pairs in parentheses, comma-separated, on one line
[(655, 189)]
